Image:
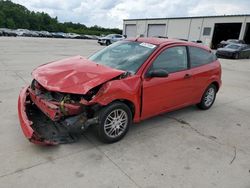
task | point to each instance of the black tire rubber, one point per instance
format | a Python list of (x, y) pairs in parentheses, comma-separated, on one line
[(236, 56), (108, 42), (202, 105), (102, 117)]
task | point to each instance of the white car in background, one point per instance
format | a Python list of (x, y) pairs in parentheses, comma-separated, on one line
[(72, 35), (109, 39)]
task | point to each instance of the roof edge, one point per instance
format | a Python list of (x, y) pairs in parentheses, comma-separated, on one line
[(187, 17)]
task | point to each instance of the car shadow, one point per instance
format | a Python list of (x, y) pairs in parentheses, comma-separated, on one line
[(155, 122), (89, 139)]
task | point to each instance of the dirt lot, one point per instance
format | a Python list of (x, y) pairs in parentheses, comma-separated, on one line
[(186, 148)]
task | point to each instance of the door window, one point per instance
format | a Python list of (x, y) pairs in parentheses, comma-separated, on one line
[(118, 36), (172, 60)]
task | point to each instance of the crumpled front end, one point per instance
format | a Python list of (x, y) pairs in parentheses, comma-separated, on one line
[(51, 118), (24, 104)]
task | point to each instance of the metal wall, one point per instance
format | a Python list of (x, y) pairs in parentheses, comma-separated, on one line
[(191, 29)]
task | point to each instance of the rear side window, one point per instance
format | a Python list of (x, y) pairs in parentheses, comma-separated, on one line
[(199, 56), (118, 36)]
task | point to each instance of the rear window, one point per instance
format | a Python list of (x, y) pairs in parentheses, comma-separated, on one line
[(199, 56)]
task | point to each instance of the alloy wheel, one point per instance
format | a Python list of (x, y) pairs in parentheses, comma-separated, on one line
[(209, 97), (115, 123)]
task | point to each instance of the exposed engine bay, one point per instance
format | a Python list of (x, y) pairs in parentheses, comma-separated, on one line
[(60, 117)]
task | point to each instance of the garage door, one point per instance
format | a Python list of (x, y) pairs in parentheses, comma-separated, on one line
[(156, 30), (130, 30)]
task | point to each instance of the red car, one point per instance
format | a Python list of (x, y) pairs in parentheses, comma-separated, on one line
[(127, 82)]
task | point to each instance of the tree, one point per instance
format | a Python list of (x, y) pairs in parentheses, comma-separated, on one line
[(17, 16)]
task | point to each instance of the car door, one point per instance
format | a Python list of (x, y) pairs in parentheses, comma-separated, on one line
[(117, 37), (167, 93)]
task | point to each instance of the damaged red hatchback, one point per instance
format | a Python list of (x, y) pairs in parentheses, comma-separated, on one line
[(125, 82)]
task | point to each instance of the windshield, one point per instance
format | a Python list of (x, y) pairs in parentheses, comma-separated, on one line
[(233, 46), (109, 36), (234, 41), (124, 55)]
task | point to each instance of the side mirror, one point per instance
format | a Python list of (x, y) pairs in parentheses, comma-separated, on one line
[(157, 73)]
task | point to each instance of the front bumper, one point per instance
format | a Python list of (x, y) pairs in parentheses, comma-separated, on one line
[(39, 128), (25, 123), (102, 41)]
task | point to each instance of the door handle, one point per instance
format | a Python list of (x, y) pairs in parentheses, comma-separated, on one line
[(187, 76)]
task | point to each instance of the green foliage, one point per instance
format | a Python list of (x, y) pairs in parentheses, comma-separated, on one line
[(16, 16)]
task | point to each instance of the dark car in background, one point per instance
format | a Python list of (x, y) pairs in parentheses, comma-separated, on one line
[(8, 32), (235, 51), (229, 41), (45, 34)]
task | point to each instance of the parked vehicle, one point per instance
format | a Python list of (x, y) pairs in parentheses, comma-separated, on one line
[(1, 33), (34, 33), (234, 51), (8, 32), (59, 35), (91, 37), (72, 35), (81, 37), (229, 41), (44, 34), (127, 82), (109, 39), (23, 32)]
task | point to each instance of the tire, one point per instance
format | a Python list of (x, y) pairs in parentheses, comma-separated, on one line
[(208, 97), (108, 42), (236, 56), (111, 128)]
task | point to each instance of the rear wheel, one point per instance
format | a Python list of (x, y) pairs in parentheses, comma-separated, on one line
[(115, 120), (208, 97)]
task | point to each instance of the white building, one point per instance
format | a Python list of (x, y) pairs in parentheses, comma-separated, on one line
[(208, 29)]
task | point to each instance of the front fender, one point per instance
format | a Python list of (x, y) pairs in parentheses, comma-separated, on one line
[(123, 89)]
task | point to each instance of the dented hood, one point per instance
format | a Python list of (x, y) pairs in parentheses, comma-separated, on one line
[(74, 75)]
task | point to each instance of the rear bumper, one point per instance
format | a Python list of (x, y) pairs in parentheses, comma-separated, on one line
[(25, 123), (224, 55)]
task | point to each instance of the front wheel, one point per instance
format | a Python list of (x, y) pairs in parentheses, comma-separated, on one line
[(115, 120), (208, 97), (108, 42), (236, 56)]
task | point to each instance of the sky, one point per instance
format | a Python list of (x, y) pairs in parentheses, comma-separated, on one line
[(110, 13)]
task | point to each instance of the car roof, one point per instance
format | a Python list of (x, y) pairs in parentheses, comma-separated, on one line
[(164, 42)]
